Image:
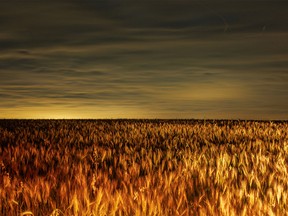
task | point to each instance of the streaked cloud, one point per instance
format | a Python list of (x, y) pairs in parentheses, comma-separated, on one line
[(148, 59)]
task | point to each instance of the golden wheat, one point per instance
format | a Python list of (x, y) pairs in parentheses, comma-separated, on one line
[(143, 167)]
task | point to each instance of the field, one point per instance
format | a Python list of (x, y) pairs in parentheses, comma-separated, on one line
[(143, 167)]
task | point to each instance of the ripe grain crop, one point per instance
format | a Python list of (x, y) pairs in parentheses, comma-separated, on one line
[(143, 167)]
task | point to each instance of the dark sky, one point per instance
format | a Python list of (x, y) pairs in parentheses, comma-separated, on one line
[(144, 59)]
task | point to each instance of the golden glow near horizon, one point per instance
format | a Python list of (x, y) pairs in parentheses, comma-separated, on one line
[(142, 60), (73, 113), (31, 113)]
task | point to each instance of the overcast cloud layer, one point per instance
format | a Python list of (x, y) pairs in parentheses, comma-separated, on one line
[(152, 59)]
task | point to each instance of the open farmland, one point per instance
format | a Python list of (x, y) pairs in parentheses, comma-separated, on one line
[(143, 167)]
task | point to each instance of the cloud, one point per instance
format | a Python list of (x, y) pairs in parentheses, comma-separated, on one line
[(154, 59), (210, 92)]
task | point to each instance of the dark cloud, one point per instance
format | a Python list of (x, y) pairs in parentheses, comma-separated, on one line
[(144, 59)]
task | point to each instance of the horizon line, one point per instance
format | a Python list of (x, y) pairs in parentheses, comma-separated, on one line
[(145, 119)]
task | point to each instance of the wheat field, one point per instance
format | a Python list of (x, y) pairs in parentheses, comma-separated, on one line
[(143, 167)]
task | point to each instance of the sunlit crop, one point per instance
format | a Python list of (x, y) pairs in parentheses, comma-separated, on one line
[(143, 167)]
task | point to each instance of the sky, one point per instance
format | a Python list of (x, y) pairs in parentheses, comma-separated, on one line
[(144, 59)]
